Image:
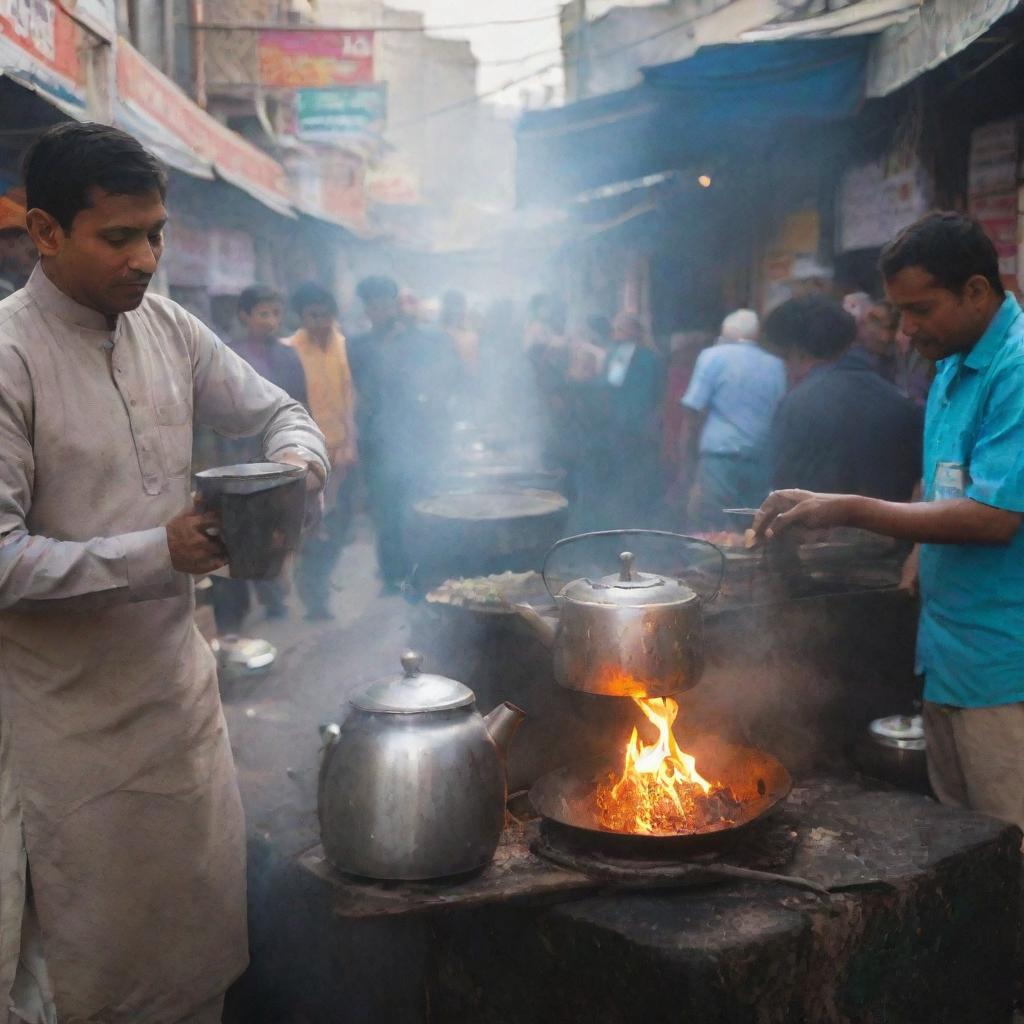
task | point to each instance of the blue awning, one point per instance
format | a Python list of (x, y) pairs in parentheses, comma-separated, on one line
[(718, 99)]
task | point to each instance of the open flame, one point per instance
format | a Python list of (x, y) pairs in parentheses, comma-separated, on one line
[(660, 789)]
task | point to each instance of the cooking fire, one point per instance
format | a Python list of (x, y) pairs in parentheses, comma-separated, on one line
[(660, 791)]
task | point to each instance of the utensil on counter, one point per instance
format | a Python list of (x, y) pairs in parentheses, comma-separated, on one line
[(893, 749), (412, 783), (261, 506), (631, 633)]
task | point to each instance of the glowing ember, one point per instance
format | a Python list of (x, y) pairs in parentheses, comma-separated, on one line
[(660, 790)]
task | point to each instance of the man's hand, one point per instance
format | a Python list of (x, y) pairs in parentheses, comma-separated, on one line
[(193, 550), (909, 575), (783, 510), (315, 479)]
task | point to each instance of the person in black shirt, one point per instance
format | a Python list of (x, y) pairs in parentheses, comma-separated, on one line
[(842, 428), (406, 378)]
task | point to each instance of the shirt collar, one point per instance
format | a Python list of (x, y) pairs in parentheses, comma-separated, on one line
[(986, 347), (52, 300)]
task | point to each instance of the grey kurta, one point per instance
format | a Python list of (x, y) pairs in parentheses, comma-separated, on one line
[(119, 752)]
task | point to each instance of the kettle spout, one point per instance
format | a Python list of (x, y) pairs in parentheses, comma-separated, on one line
[(502, 724), (544, 629)]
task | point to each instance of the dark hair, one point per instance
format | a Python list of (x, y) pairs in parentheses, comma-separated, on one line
[(255, 295), (70, 159), (312, 294), (815, 325), (951, 247), (377, 288)]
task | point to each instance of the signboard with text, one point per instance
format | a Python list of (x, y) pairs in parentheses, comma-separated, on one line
[(326, 114), (315, 59), (39, 39)]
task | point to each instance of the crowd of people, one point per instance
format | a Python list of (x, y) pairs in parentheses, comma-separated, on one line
[(826, 394)]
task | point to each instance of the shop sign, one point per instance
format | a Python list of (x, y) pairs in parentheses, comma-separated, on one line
[(993, 159), (327, 114), (992, 189), (220, 260), (186, 255), (38, 38), (392, 183), (156, 96), (876, 201), (232, 261), (315, 59)]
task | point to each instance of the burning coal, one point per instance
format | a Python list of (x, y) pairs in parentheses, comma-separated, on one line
[(660, 790)]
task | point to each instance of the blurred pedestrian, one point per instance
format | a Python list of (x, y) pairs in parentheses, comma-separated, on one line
[(454, 321), (323, 354), (406, 378), (727, 416)]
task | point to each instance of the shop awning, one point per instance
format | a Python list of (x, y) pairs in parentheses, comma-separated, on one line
[(161, 143), (59, 97), (937, 30), (684, 111), (189, 139)]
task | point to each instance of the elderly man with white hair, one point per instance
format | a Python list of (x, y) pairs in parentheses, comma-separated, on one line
[(728, 409)]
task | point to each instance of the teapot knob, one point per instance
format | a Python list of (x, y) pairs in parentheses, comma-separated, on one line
[(412, 661), (626, 560)]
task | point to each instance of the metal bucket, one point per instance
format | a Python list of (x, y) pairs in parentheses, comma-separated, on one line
[(262, 506)]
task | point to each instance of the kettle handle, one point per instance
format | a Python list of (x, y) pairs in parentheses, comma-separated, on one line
[(624, 535), (330, 733)]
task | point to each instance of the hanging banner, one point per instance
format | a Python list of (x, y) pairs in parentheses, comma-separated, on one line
[(145, 89), (326, 114), (315, 59)]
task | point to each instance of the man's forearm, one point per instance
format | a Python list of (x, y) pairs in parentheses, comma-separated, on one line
[(957, 521), (42, 573)]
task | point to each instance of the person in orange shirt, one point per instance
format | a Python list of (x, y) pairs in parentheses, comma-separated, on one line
[(321, 348)]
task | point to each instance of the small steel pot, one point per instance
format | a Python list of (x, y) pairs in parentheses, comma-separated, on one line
[(893, 749)]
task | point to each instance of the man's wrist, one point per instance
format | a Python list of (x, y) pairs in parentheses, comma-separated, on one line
[(313, 463)]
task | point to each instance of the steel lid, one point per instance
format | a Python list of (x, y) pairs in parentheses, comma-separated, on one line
[(904, 731), (414, 692), (629, 588)]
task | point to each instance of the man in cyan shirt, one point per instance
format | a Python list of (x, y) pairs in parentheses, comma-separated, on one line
[(733, 393), (942, 273)]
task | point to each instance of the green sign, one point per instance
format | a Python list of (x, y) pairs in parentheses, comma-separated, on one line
[(326, 114)]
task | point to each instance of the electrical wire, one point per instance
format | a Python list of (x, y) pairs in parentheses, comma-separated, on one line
[(463, 27), (470, 101)]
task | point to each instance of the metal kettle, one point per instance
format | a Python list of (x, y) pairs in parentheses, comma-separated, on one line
[(628, 634), (412, 783)]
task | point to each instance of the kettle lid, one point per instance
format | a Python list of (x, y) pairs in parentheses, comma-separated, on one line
[(413, 692), (629, 588)]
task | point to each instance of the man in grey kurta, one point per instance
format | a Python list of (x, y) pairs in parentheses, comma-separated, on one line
[(113, 748)]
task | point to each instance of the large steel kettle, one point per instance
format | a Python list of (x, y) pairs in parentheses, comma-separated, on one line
[(630, 633), (412, 783)]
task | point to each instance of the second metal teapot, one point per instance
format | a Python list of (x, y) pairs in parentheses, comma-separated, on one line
[(412, 783)]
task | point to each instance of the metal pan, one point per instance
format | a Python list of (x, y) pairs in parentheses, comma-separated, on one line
[(759, 781)]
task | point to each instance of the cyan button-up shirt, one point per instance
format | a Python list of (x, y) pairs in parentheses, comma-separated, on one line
[(971, 640)]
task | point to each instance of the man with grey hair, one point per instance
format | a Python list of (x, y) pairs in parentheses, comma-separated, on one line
[(741, 325), (727, 415)]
